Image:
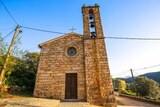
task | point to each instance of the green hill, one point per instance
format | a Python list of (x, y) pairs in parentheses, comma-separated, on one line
[(153, 75)]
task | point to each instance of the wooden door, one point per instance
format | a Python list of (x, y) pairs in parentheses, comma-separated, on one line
[(71, 86)]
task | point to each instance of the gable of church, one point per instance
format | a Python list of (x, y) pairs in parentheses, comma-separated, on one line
[(60, 57), (69, 35)]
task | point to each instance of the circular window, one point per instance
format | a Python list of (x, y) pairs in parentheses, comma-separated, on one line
[(71, 51)]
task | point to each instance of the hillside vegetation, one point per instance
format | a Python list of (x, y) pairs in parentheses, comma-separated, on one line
[(153, 75)]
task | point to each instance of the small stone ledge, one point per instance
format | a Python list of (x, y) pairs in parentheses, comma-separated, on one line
[(73, 100)]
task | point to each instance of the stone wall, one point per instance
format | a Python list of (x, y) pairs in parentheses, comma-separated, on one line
[(55, 63), (106, 87), (98, 79), (92, 74)]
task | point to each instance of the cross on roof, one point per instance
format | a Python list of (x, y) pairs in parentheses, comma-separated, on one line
[(72, 29)]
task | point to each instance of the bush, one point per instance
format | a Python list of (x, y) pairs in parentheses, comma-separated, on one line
[(146, 87), (21, 77), (24, 72), (128, 92)]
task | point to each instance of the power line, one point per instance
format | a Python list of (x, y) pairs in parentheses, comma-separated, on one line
[(146, 67), (136, 70), (126, 38), (8, 34), (109, 37), (137, 74), (42, 30), (6, 29), (8, 12), (120, 73)]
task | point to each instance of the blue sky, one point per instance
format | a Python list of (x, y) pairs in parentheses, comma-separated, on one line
[(121, 18)]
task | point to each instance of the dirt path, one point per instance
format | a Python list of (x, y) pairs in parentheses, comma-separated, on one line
[(28, 102), (128, 102), (75, 104), (122, 102)]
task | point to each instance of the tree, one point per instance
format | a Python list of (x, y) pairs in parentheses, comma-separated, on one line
[(8, 58), (16, 54), (24, 72), (3, 51), (147, 87), (3, 47), (122, 85), (32, 59)]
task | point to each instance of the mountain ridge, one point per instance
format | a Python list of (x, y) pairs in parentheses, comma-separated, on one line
[(152, 75)]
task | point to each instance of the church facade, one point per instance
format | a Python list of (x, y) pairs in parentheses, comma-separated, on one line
[(75, 66)]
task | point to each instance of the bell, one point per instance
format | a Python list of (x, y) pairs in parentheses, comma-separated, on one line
[(91, 24), (90, 16), (93, 34)]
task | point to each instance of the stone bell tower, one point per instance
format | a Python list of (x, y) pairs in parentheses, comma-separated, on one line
[(99, 87)]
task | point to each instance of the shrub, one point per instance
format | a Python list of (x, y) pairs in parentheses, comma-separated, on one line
[(128, 92)]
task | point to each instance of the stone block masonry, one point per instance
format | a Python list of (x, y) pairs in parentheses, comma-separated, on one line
[(75, 66), (55, 63)]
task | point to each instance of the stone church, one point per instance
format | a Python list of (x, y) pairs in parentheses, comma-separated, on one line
[(75, 66)]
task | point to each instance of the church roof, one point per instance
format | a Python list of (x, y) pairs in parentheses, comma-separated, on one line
[(65, 35)]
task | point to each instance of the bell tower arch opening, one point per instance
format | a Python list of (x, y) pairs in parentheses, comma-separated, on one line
[(92, 26)]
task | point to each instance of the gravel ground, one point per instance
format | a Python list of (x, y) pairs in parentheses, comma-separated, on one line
[(28, 102), (76, 104), (128, 102), (40, 102)]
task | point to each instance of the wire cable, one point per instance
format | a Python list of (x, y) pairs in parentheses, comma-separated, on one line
[(6, 29), (7, 35), (125, 38), (137, 74), (119, 74), (109, 37), (136, 70), (42, 30), (8, 12), (146, 67)]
